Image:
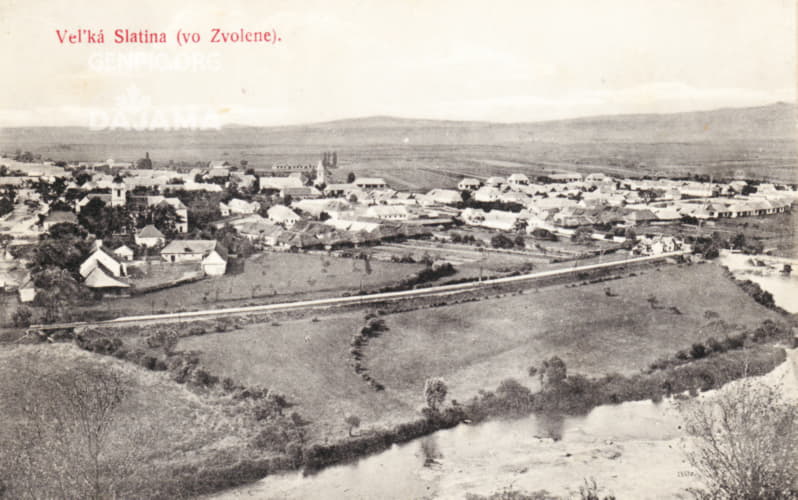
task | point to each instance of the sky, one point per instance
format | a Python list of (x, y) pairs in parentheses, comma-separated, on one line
[(497, 60)]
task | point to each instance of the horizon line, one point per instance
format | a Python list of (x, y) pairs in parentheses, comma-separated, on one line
[(443, 120)]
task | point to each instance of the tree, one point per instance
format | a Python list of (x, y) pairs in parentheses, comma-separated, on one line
[(71, 436), (583, 235), (164, 217), (64, 246), (353, 422), (350, 178), (744, 443), (22, 317), (501, 241), (435, 391), (6, 205), (55, 290), (553, 373)]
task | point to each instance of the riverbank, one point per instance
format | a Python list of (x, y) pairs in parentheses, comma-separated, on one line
[(632, 450)]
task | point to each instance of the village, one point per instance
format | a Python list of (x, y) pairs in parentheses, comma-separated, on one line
[(151, 229)]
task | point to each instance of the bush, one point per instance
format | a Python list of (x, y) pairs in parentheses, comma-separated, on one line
[(698, 351), (22, 317)]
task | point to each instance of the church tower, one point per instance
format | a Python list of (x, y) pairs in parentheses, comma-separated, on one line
[(118, 194)]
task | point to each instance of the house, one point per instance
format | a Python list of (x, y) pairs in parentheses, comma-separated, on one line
[(468, 184), (181, 211), (495, 181), (388, 212), (150, 237), (242, 207), (301, 193), (211, 255), (111, 263), (487, 194), (58, 217), (658, 245), (597, 177), (517, 180), (102, 278), (495, 219), (370, 183), (330, 206), (215, 262), (124, 252), (280, 214), (300, 241), (263, 232), (27, 291), (444, 196), (566, 177), (279, 183), (339, 189)]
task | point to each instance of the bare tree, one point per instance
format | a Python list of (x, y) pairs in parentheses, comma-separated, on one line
[(71, 437), (745, 443)]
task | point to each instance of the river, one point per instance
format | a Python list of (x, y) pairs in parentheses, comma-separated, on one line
[(766, 272), (633, 450)]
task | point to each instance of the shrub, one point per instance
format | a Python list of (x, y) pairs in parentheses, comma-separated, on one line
[(22, 316), (698, 351)]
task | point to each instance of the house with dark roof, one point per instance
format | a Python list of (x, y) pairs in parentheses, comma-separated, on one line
[(150, 237), (58, 217)]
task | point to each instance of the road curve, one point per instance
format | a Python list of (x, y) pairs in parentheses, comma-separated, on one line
[(363, 299)]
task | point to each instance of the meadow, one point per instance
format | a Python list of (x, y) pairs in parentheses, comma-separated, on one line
[(475, 345)]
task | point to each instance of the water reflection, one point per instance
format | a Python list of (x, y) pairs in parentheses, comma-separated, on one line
[(768, 273), (551, 425)]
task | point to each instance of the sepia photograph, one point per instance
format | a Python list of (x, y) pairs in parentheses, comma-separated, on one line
[(399, 250)]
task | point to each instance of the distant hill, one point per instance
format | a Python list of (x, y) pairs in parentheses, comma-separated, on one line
[(776, 122)]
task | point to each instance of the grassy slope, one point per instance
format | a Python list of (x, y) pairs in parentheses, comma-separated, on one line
[(183, 426), (308, 362), (476, 345)]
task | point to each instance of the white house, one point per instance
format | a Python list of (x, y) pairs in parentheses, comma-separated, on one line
[(279, 183), (124, 252), (566, 177), (487, 194), (242, 207), (444, 196), (388, 212), (468, 184), (108, 260), (517, 180), (150, 237), (211, 255), (370, 183), (280, 214)]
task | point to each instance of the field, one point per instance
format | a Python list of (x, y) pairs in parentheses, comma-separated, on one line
[(271, 276), (475, 345), (756, 142)]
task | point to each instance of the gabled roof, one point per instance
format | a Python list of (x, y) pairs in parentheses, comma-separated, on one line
[(101, 277), (59, 216), (189, 247), (123, 249)]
